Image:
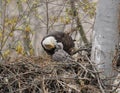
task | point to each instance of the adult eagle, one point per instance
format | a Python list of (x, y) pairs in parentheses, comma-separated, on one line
[(50, 42)]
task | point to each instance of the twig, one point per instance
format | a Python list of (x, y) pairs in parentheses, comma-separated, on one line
[(97, 75)]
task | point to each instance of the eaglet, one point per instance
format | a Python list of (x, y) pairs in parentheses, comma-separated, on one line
[(60, 55)]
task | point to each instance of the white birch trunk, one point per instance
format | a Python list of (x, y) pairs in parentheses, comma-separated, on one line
[(105, 39)]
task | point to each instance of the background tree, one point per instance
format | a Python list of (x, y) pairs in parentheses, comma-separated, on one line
[(23, 23), (105, 40)]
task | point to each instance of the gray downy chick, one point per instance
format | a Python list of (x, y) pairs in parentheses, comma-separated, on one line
[(60, 55)]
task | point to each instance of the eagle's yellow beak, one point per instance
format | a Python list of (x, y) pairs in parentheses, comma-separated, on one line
[(49, 46)]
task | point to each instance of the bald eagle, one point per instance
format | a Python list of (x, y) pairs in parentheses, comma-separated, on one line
[(50, 42)]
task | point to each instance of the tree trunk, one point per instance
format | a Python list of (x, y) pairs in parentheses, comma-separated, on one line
[(78, 23), (105, 38)]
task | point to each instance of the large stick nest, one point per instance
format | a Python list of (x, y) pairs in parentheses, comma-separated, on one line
[(42, 75)]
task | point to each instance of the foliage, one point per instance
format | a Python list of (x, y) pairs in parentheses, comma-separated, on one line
[(19, 20)]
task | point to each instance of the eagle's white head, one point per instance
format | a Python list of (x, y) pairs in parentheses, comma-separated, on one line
[(49, 42)]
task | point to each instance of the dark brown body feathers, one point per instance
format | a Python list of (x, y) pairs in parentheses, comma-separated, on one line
[(61, 37)]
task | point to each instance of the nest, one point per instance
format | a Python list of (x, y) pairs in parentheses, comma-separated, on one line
[(42, 75)]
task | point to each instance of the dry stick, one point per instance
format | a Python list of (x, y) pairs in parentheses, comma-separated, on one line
[(19, 85), (81, 49), (68, 85), (33, 84), (22, 89), (97, 75), (117, 86), (87, 47)]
